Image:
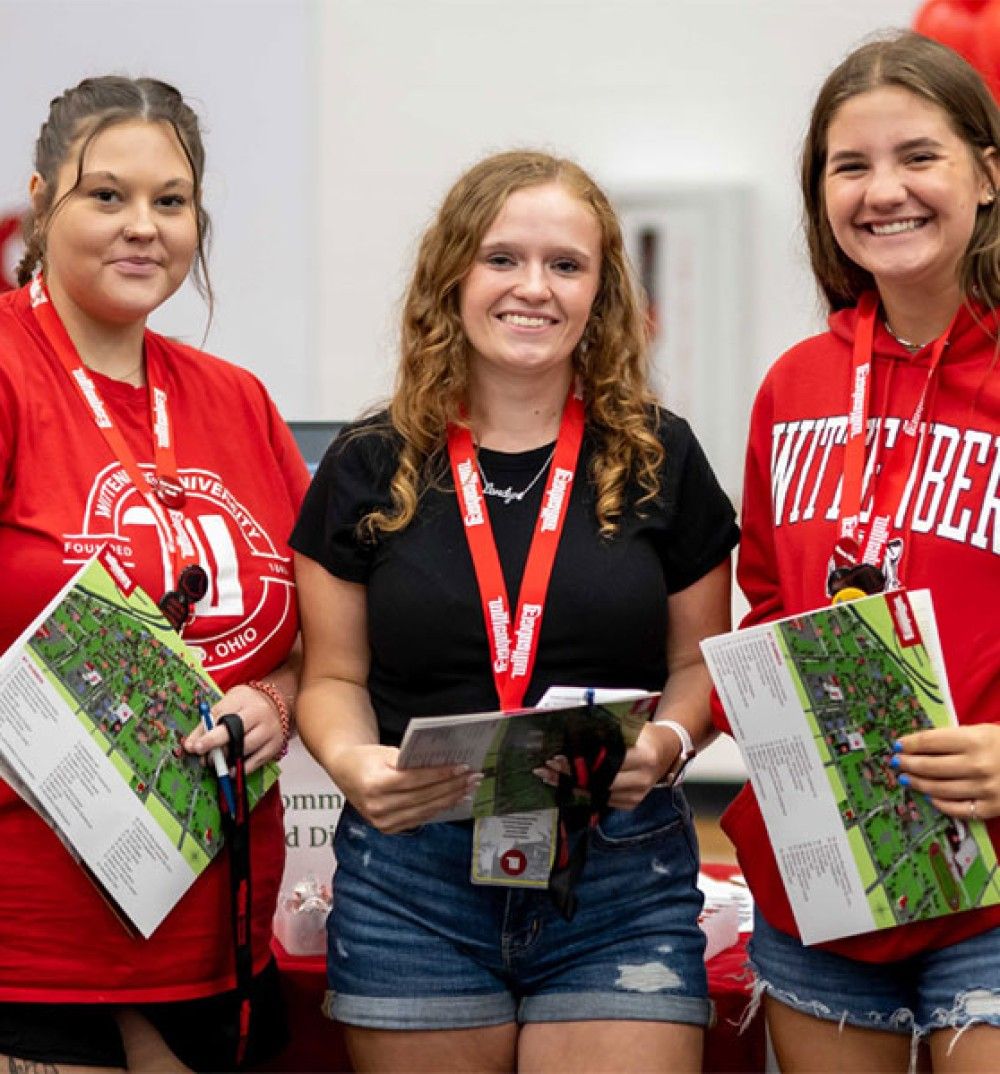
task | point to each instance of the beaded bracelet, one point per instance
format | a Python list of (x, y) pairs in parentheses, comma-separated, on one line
[(270, 691)]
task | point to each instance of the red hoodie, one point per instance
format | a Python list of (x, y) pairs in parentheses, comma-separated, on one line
[(951, 537)]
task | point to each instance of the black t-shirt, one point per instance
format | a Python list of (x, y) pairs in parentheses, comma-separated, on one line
[(605, 618)]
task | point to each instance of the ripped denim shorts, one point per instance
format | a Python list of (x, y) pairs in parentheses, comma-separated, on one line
[(414, 945), (950, 988)]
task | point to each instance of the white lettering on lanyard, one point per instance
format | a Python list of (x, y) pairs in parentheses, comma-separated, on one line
[(161, 420), (877, 538), (858, 396), (530, 615), (95, 401), (561, 481), (470, 493), (500, 621)]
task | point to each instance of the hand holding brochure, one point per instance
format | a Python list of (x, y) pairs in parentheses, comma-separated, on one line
[(508, 747), (95, 699), (815, 702)]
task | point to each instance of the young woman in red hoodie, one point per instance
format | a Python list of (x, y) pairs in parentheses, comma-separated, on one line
[(900, 172)]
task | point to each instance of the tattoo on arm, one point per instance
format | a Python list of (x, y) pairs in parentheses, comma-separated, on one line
[(29, 1066)]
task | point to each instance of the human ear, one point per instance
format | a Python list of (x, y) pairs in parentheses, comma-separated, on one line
[(37, 191), (991, 176)]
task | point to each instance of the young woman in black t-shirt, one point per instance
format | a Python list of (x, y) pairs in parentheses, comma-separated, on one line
[(522, 437)]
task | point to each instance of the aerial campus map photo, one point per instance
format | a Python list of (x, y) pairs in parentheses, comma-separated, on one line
[(862, 689), (122, 670)]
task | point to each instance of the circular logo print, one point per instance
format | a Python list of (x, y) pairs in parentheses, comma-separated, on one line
[(514, 862)]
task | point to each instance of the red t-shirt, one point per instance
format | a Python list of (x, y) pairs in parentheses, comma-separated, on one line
[(63, 494), (791, 505)]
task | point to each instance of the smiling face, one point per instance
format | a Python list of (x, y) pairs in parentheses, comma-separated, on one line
[(902, 190), (123, 240), (525, 302)]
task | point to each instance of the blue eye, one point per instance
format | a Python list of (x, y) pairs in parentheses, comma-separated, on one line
[(566, 265), (500, 260)]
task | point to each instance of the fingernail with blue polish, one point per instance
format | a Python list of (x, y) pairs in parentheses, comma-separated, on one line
[(904, 780), (894, 761), (897, 746)]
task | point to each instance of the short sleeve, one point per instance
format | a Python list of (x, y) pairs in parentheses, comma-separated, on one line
[(10, 393), (352, 480), (286, 452), (702, 528)]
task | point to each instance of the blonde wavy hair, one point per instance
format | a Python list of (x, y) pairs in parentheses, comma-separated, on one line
[(432, 380)]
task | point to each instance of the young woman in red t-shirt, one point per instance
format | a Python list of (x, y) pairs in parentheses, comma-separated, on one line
[(112, 434)]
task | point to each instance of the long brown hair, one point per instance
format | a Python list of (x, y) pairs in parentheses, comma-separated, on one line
[(432, 379), (77, 117), (941, 76)]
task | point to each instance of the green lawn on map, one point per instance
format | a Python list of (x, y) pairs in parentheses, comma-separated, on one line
[(921, 864), (139, 700)]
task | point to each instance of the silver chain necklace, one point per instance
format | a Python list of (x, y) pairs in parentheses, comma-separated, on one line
[(508, 494), (911, 347)]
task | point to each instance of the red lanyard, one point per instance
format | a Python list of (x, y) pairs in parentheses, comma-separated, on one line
[(513, 659), (164, 493), (854, 544)]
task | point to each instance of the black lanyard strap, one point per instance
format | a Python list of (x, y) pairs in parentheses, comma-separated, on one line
[(237, 829), (594, 758)]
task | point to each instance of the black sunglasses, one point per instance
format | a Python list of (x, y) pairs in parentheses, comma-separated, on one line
[(178, 604), (864, 576)]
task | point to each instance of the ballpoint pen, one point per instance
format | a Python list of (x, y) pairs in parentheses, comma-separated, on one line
[(219, 760)]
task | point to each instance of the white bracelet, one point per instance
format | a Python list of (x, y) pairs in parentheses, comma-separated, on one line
[(675, 773)]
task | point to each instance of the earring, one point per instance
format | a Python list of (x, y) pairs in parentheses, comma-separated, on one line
[(990, 198)]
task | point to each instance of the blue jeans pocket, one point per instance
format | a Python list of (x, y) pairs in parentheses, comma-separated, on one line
[(662, 813)]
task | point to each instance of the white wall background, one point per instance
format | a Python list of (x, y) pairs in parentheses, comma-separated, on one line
[(334, 127), (641, 92), (248, 68)]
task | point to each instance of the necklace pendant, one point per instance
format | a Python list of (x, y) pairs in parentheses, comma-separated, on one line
[(170, 492), (509, 495)]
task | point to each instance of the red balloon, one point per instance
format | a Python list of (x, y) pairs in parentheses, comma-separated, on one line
[(987, 48), (954, 23), (10, 231)]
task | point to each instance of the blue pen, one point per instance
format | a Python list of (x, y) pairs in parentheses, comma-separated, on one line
[(219, 760)]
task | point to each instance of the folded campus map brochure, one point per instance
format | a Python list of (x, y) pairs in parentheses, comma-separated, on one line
[(815, 702), (508, 746), (95, 699)]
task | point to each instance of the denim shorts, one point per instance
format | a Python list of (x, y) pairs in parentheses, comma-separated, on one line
[(414, 945), (949, 988)]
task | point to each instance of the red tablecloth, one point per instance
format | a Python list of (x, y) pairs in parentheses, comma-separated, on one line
[(727, 1051), (317, 1044)]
